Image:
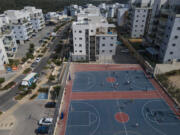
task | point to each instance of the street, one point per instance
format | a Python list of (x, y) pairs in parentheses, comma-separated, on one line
[(6, 99)]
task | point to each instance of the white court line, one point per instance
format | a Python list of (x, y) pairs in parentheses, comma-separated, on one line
[(143, 108), (117, 101), (95, 109)]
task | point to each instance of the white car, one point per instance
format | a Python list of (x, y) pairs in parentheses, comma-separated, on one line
[(45, 121), (38, 59)]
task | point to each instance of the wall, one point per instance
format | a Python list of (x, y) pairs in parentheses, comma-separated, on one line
[(163, 68)]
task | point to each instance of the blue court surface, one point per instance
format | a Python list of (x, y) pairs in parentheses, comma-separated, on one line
[(123, 81), (99, 117), (42, 95)]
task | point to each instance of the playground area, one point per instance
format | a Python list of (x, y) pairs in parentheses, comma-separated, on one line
[(116, 100)]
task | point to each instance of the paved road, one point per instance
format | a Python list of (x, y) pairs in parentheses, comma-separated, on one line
[(6, 99), (23, 49)]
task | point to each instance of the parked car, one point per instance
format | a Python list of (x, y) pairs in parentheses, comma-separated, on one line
[(42, 130), (45, 121), (50, 105), (38, 60)]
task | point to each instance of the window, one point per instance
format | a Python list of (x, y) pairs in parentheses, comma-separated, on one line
[(103, 51), (74, 38), (91, 30), (137, 16), (173, 44), (19, 27), (80, 45), (135, 25), (80, 31), (142, 25), (75, 44), (171, 53), (112, 38), (178, 28), (103, 44), (80, 38), (75, 31), (75, 50), (144, 10), (80, 51), (136, 20), (143, 15), (142, 20), (176, 37), (103, 38), (138, 10), (110, 51), (111, 44), (169, 59)]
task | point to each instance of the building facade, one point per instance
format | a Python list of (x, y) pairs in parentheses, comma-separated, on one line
[(21, 25), (36, 17), (93, 37)]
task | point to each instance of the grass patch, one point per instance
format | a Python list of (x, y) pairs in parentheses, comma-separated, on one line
[(44, 90), (33, 96), (2, 80), (1, 112), (9, 85), (22, 95), (27, 70), (52, 77)]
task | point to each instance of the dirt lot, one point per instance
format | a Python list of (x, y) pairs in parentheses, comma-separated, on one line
[(175, 80)]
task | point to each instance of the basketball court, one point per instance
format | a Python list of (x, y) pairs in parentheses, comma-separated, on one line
[(116, 100)]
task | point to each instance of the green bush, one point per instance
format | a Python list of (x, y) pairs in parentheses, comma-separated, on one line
[(33, 96), (51, 77), (29, 55), (27, 70), (20, 96), (24, 59), (45, 90), (9, 85), (2, 80), (57, 89), (33, 86)]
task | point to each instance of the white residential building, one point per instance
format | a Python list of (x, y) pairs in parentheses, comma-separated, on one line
[(21, 25), (138, 17), (93, 37), (3, 55), (7, 37), (37, 18)]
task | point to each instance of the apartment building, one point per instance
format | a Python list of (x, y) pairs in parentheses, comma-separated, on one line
[(164, 30), (3, 55), (21, 25), (138, 17), (36, 17), (7, 37), (93, 37)]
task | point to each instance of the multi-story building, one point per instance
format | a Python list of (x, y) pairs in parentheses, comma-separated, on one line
[(138, 17), (3, 55), (7, 37), (21, 25), (93, 37), (36, 17)]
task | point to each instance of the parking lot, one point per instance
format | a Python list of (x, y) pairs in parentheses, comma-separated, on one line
[(23, 49), (27, 117)]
